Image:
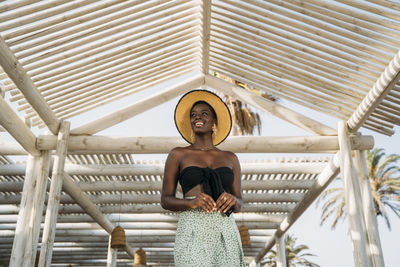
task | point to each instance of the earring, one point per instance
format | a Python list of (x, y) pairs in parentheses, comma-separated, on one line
[(214, 131)]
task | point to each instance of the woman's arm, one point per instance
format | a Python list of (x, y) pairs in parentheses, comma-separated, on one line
[(226, 200), (171, 170)]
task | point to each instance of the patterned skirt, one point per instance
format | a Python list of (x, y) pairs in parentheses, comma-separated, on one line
[(207, 240)]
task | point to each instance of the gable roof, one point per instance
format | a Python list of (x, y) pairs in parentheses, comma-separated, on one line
[(81, 55), (61, 59)]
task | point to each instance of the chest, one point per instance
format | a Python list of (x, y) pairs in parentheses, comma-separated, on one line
[(209, 159)]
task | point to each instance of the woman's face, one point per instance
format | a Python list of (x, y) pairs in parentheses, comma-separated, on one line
[(201, 118)]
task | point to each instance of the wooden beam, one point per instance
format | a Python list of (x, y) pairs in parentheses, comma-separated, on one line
[(271, 107), (13, 148), (8, 210), (374, 244), (206, 11), (389, 77), (324, 179), (280, 251), (82, 199), (31, 210), (16, 169), (111, 255), (16, 72), (352, 198), (138, 107), (17, 128), (237, 144), (150, 198), (103, 186), (53, 202)]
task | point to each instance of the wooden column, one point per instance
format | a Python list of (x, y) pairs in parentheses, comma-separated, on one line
[(374, 245), (111, 255), (280, 251), (53, 203), (31, 210), (253, 263), (352, 198)]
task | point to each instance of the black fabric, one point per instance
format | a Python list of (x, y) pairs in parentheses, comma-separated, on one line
[(214, 181)]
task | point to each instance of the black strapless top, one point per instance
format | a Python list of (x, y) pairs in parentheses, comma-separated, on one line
[(214, 181)]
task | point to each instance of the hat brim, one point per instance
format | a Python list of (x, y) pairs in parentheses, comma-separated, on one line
[(182, 115)]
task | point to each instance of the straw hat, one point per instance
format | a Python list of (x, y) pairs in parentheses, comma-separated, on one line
[(182, 115)]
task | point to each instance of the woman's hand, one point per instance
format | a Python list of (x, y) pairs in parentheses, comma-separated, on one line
[(205, 202), (225, 202)]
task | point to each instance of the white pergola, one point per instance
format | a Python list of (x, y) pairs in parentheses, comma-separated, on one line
[(60, 59)]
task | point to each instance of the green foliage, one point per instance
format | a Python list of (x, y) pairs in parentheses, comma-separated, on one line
[(295, 255), (384, 176)]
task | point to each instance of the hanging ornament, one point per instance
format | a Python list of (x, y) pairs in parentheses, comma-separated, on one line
[(244, 235), (118, 240), (140, 258)]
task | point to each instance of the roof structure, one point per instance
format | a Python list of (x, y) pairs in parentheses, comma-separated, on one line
[(60, 59)]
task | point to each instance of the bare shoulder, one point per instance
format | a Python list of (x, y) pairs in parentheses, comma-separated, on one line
[(230, 155), (178, 152)]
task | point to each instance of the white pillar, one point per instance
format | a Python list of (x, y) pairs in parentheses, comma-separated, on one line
[(352, 198), (280, 252), (53, 203), (31, 210), (374, 245), (111, 255), (253, 263)]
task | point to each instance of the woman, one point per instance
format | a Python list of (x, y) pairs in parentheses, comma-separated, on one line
[(211, 184)]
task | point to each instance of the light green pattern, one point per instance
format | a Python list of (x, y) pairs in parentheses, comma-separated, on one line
[(207, 240)]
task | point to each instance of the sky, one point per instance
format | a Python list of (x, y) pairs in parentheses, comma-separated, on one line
[(332, 248)]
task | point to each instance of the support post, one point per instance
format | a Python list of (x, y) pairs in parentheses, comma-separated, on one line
[(111, 255), (280, 251), (352, 198), (31, 210), (54, 196), (374, 244)]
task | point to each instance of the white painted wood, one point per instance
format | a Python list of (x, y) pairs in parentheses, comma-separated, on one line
[(323, 180), (111, 255), (155, 198), (102, 186), (53, 202), (266, 105), (17, 128), (12, 148), (158, 169), (24, 83), (374, 245), (253, 263), (31, 209), (238, 144), (206, 26), (82, 199), (138, 107), (389, 77), (352, 198), (280, 251)]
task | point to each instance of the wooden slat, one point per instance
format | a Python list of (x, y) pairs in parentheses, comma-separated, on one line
[(20, 77), (381, 88)]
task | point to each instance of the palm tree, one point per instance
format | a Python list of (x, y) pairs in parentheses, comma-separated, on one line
[(384, 175), (295, 255), (244, 120)]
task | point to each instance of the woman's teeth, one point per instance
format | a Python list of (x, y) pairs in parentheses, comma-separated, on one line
[(199, 124)]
